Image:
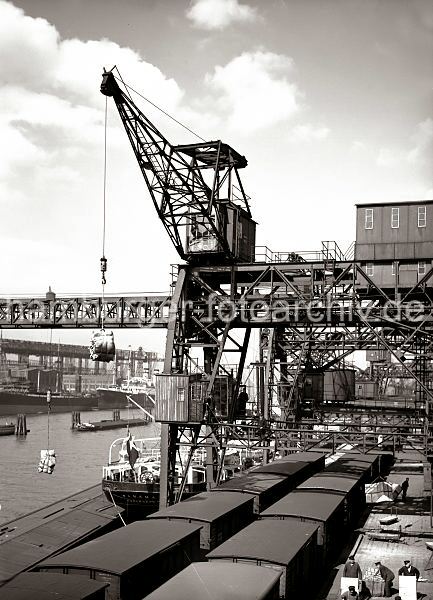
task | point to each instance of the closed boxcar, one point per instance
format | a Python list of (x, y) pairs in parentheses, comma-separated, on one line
[(218, 515), (380, 462), (133, 560), (364, 466), (52, 586), (298, 464), (221, 580), (348, 486), (317, 507), (285, 545), (264, 488)]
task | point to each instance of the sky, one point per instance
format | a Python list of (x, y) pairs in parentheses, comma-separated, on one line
[(329, 100)]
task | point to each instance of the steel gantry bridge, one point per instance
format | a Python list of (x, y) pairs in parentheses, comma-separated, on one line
[(312, 312), (312, 315)]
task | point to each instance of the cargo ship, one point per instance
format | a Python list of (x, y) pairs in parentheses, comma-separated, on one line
[(136, 488), (15, 400), (141, 390)]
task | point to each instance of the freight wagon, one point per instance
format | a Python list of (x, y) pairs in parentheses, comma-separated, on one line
[(221, 580), (288, 546), (297, 466), (264, 488), (52, 586), (314, 507), (133, 560), (217, 515)]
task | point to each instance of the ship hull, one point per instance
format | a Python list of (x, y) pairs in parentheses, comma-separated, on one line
[(141, 499), (110, 398), (12, 403), (7, 429)]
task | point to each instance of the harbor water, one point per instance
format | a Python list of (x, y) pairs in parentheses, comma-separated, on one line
[(80, 458)]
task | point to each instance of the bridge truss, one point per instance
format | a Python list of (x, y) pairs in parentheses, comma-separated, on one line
[(312, 315)]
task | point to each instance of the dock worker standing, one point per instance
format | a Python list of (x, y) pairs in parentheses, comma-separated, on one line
[(404, 487), (409, 570), (388, 577), (352, 568)]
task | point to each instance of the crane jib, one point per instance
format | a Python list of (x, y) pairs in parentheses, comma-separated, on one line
[(196, 188)]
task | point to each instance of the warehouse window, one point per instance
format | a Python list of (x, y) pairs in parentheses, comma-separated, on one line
[(395, 218), (421, 268), (181, 394), (369, 269), (368, 218), (422, 216)]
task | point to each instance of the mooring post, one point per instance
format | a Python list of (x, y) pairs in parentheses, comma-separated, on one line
[(76, 419), (21, 428)]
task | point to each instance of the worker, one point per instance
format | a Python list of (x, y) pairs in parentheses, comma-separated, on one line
[(409, 570), (352, 568), (404, 487), (388, 577), (364, 592), (351, 594)]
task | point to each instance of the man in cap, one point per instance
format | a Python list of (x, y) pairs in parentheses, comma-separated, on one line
[(388, 577), (351, 594), (409, 570), (352, 568)]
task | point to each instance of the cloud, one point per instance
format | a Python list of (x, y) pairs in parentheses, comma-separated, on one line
[(308, 133), (419, 153), (219, 14), (51, 155), (389, 157), (253, 91), (28, 48), (52, 109), (422, 149)]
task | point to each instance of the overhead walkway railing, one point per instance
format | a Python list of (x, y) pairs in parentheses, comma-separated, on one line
[(119, 312), (330, 251)]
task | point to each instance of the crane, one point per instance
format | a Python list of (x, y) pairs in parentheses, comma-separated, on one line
[(196, 188), (198, 194)]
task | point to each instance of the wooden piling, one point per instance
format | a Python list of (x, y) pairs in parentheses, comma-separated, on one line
[(76, 419), (21, 428)]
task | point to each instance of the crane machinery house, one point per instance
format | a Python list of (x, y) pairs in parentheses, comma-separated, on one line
[(394, 243)]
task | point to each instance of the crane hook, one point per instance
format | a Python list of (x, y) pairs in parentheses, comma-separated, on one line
[(103, 262)]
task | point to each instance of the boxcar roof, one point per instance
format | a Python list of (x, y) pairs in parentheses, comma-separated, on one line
[(338, 482), (314, 504), (54, 528), (206, 507), (304, 456), (51, 586), (291, 464), (219, 579), (253, 483), (282, 467), (120, 550), (350, 464), (370, 458), (271, 540)]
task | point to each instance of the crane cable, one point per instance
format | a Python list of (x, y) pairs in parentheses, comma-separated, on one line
[(128, 87), (103, 261)]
